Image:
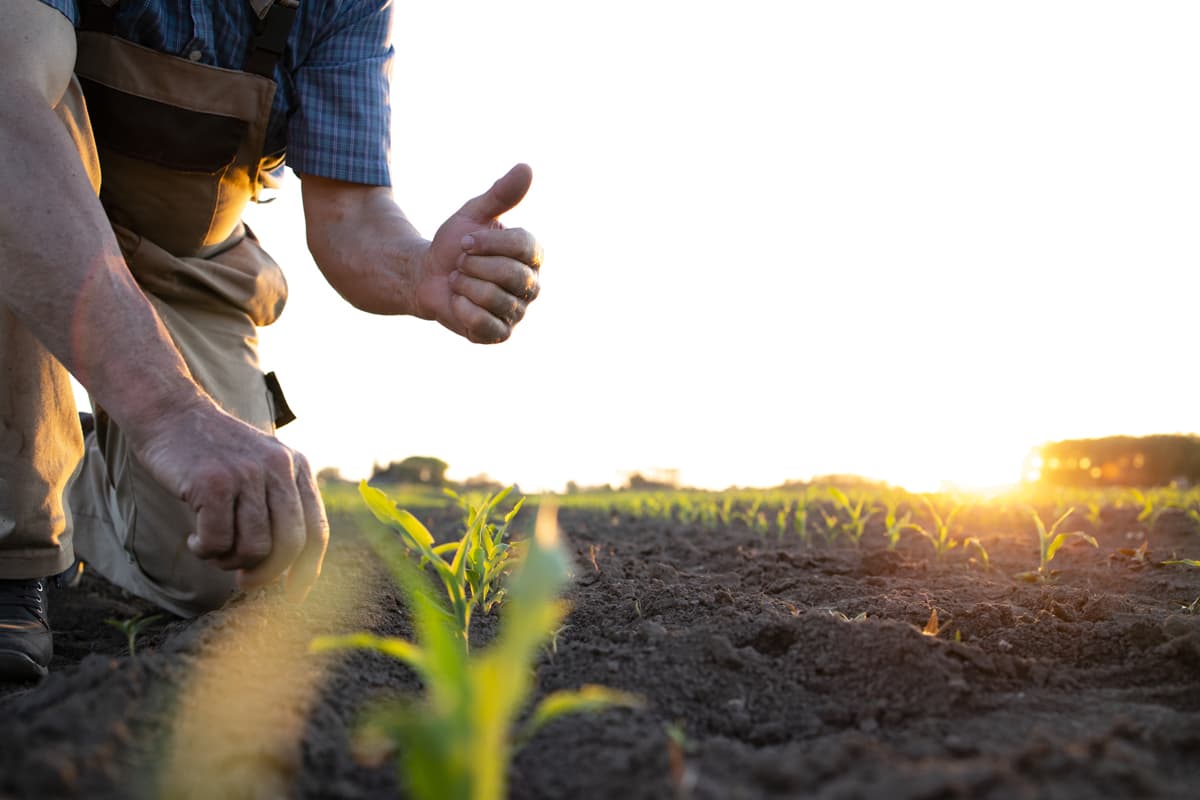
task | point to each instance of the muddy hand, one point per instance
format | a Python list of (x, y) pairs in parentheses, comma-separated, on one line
[(480, 277), (256, 502)]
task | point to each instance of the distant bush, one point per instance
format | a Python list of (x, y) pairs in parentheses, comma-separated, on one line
[(414, 469), (1121, 461)]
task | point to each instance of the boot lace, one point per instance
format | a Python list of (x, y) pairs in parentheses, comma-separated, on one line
[(18, 596)]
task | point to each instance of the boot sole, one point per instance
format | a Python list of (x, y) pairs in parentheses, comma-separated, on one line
[(16, 666)]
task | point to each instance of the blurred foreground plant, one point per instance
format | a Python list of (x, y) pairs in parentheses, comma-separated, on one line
[(456, 741)]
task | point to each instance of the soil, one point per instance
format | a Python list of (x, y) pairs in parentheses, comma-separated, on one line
[(770, 669)]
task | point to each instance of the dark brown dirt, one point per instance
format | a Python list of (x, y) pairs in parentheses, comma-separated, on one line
[(790, 671)]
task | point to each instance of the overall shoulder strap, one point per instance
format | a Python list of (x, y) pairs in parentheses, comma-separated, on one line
[(275, 19), (97, 15)]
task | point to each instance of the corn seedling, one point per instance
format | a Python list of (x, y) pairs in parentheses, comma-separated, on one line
[(857, 514), (489, 555), (456, 741), (725, 513), (973, 541), (940, 536), (1149, 512), (783, 518), (752, 517), (132, 628), (1049, 542), (800, 519), (833, 524), (472, 573), (893, 528)]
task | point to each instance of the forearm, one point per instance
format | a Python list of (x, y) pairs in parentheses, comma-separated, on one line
[(363, 244), (63, 275)]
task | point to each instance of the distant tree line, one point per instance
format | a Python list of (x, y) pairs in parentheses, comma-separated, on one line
[(1121, 461), (422, 470)]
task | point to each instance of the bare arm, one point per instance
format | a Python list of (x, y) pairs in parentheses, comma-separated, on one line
[(63, 275), (475, 277)]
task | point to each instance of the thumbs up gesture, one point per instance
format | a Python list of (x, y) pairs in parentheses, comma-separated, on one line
[(477, 278)]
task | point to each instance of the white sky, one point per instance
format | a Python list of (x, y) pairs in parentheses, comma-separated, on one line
[(908, 240)]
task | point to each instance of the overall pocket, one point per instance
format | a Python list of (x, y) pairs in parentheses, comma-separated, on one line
[(169, 173)]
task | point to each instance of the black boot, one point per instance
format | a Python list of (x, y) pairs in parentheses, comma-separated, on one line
[(25, 640)]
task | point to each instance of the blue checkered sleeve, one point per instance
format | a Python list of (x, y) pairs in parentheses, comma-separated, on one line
[(339, 125)]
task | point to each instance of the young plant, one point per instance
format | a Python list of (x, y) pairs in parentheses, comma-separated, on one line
[(833, 524), (132, 628), (894, 528), (489, 556), (857, 514), (725, 513), (752, 518), (1150, 511), (800, 518), (1049, 542), (940, 536), (782, 517), (973, 541), (455, 743), (472, 573)]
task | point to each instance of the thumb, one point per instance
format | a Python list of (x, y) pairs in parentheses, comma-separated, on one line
[(503, 196)]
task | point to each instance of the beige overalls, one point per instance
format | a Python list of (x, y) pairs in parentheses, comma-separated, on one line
[(175, 149)]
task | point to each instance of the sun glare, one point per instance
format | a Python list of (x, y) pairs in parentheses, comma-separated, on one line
[(974, 470)]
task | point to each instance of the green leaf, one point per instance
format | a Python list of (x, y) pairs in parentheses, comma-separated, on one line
[(585, 699), (386, 512), (460, 551), (1191, 562), (1055, 543), (445, 650), (1061, 520), (511, 514), (490, 503), (840, 497), (1061, 539), (442, 549), (399, 649)]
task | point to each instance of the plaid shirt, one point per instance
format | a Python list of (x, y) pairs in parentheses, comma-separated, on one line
[(332, 106)]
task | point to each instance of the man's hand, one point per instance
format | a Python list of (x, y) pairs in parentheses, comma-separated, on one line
[(257, 506), (477, 278), (62, 274)]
